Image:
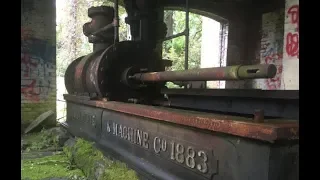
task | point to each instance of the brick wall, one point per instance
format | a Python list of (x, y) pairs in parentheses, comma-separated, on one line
[(38, 59)]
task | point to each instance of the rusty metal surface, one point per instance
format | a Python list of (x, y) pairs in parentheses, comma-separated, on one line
[(236, 93), (276, 104), (167, 151), (271, 130), (70, 75), (210, 74), (95, 74), (258, 116), (80, 74)]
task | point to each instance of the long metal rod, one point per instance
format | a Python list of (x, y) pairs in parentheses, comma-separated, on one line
[(174, 36), (186, 46), (116, 21), (210, 74), (105, 28)]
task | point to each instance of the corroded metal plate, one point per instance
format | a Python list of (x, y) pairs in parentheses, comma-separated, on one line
[(165, 150)]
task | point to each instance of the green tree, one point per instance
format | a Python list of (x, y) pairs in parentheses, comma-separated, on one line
[(71, 42), (174, 49)]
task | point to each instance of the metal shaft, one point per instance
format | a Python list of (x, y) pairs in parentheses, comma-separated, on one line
[(211, 74)]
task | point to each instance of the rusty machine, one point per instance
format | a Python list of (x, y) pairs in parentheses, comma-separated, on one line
[(117, 98)]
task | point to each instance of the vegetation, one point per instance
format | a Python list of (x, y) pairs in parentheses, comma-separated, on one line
[(35, 167), (49, 167), (71, 43), (40, 141), (94, 165), (80, 161)]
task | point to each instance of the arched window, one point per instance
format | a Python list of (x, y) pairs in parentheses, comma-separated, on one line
[(207, 44)]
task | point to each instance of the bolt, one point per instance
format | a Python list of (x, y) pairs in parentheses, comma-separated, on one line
[(258, 116)]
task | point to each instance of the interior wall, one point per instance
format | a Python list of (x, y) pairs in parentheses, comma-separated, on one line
[(272, 47), (210, 48), (290, 75), (279, 45), (38, 59)]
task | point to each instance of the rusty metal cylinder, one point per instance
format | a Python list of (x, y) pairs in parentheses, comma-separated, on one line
[(240, 72), (100, 29)]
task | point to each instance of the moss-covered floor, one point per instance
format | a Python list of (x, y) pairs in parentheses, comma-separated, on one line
[(57, 166), (95, 165), (43, 159)]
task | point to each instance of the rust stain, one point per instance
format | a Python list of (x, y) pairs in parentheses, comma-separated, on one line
[(225, 124)]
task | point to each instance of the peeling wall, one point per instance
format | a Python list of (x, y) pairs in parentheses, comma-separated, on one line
[(290, 75), (272, 47), (38, 59), (280, 46)]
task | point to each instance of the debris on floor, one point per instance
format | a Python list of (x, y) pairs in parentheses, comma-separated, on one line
[(53, 154), (37, 122)]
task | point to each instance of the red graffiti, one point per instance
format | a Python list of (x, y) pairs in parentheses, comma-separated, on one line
[(292, 44), (293, 12), (29, 92), (25, 34), (292, 39), (274, 83), (26, 60), (220, 74)]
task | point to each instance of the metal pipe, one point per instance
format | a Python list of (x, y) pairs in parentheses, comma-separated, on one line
[(186, 46), (116, 21), (261, 71), (174, 36), (105, 28)]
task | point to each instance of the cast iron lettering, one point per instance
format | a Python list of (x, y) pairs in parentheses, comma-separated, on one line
[(181, 154), (86, 118), (132, 135)]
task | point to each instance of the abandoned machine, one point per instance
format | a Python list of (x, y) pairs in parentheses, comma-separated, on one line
[(118, 98)]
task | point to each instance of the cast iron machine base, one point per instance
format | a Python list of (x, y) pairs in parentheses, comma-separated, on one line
[(117, 98)]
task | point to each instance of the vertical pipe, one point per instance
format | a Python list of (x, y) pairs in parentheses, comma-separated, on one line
[(116, 21), (186, 47)]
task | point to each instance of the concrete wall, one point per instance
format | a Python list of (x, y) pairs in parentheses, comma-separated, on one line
[(272, 47), (210, 49), (38, 59), (280, 46), (290, 74)]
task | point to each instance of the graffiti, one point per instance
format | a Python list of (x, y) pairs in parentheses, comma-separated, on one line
[(292, 38), (274, 83), (37, 67), (36, 77), (293, 12), (27, 64), (29, 92), (271, 51), (271, 44), (292, 44), (26, 34)]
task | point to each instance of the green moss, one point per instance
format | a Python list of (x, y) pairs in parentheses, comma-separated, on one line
[(30, 111), (86, 157), (36, 109), (41, 140), (119, 171), (48, 167)]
